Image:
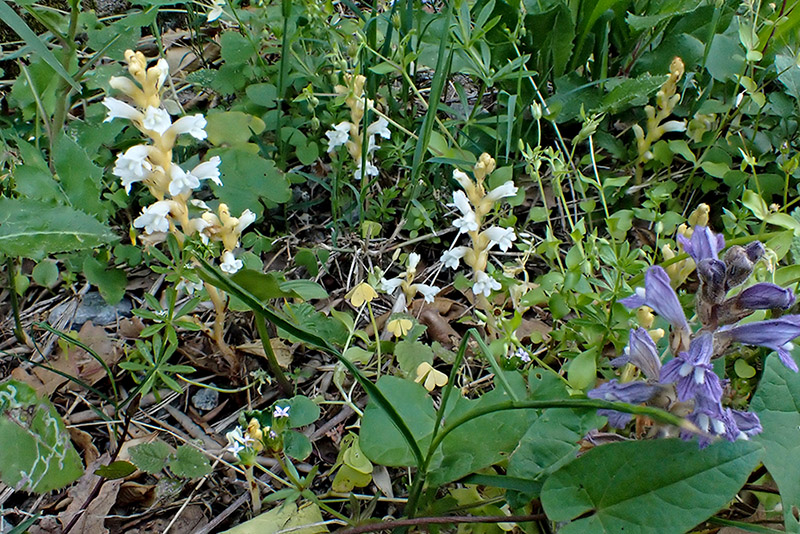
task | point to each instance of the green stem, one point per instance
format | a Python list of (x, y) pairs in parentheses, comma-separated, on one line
[(377, 337), (19, 333), (274, 366)]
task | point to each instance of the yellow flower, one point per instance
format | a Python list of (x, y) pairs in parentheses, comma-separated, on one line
[(432, 377), (362, 293), (399, 327)]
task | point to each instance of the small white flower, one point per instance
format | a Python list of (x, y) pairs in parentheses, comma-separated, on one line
[(194, 125), (372, 170), (451, 257), (229, 263), (485, 284), (156, 120), (280, 412), (216, 10), (208, 170), (245, 219), (413, 261), (390, 286), (188, 286), (338, 136), (380, 127), (117, 109), (501, 237), (132, 166), (467, 222), (154, 217), (236, 441), (462, 178), (428, 292), (181, 182), (508, 189)]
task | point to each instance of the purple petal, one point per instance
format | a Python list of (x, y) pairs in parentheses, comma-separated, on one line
[(703, 245), (660, 296), (616, 419), (747, 422), (773, 334), (631, 392), (766, 296), (642, 352)]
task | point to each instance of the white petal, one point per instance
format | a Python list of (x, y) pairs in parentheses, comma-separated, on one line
[(508, 189), (194, 125), (117, 109), (156, 120)]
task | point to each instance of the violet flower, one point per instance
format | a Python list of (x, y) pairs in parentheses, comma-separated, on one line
[(765, 296), (641, 352), (692, 373), (630, 392), (703, 244), (775, 334), (658, 294), (712, 419)]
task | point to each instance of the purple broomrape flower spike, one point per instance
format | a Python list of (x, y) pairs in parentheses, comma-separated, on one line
[(703, 244), (659, 295), (747, 423), (765, 296), (692, 373), (641, 352), (775, 334), (713, 419), (630, 392)]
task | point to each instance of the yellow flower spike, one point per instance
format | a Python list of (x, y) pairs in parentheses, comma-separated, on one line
[(399, 327), (362, 293), (432, 377), (700, 215), (645, 317)]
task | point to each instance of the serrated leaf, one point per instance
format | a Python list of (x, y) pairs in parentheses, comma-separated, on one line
[(777, 404), (80, 178), (34, 229), (188, 462), (628, 90), (150, 457), (648, 487)]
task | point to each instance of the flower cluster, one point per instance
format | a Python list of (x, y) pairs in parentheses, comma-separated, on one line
[(687, 381), (245, 443), (170, 183), (348, 133), (473, 204), (405, 281)]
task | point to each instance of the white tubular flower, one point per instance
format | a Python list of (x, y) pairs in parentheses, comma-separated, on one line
[(389, 286), (154, 217), (372, 170), (200, 204), (156, 120), (413, 261), (673, 126), (194, 125), (208, 170), (181, 182), (198, 225), (501, 237), (229, 263), (467, 222), (245, 219), (132, 166), (117, 109), (338, 136), (428, 292), (508, 189), (380, 127), (485, 284), (162, 68), (216, 10), (125, 85), (462, 178), (451, 257)]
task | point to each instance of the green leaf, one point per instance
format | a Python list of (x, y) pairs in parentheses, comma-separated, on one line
[(410, 354), (110, 282), (287, 518), (756, 204), (150, 457), (305, 289), (232, 128), (249, 178), (38, 184), (296, 445), (79, 177), (550, 443), (629, 90), (114, 470), (380, 439), (45, 273), (262, 94), (265, 286), (37, 452), (654, 486), (777, 404), (188, 462), (303, 411), (33, 229), (725, 58)]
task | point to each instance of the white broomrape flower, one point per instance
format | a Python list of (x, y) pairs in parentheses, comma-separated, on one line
[(372, 170), (390, 286), (485, 284), (508, 189), (451, 257), (154, 217), (208, 170), (245, 219), (428, 292), (501, 237), (467, 222), (162, 69), (181, 182), (194, 125), (117, 109), (338, 136), (156, 120), (462, 178), (132, 166), (216, 10), (229, 263), (380, 127)]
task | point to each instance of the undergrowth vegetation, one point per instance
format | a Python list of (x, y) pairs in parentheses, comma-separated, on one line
[(472, 265)]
